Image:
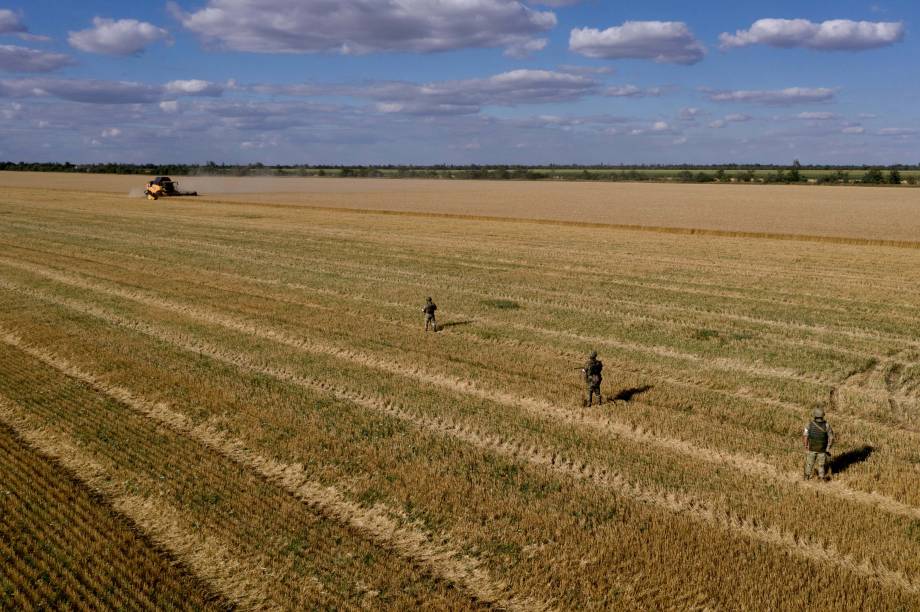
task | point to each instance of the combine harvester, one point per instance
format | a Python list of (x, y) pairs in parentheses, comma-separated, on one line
[(163, 186)]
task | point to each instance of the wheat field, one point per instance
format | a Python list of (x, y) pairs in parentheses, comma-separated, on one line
[(231, 401)]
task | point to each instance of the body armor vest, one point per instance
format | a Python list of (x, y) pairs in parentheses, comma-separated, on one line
[(817, 437)]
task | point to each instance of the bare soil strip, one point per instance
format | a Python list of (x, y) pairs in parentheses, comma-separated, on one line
[(376, 523), (232, 576), (753, 465)]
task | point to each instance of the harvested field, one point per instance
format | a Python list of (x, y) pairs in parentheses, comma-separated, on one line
[(871, 213), (241, 385)]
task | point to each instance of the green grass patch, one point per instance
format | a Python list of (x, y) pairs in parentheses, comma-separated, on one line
[(501, 304)]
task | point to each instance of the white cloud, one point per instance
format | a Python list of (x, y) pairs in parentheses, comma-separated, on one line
[(853, 129), (833, 35), (660, 126), (194, 87), (94, 92), (111, 133), (122, 37), (21, 59), (587, 69), (817, 116), (455, 97), (103, 92), (778, 97), (898, 131), (632, 91), (662, 41), (361, 26), (732, 118), (11, 23), (525, 48), (169, 106), (690, 113)]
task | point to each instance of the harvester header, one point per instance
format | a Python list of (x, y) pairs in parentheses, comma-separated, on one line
[(163, 186)]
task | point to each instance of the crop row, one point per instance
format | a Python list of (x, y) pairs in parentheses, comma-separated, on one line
[(290, 335), (245, 428), (63, 547)]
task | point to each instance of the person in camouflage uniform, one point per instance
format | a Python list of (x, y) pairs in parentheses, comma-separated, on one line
[(593, 377), (429, 309), (818, 438)]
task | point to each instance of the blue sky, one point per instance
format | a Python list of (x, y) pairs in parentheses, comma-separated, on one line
[(459, 81)]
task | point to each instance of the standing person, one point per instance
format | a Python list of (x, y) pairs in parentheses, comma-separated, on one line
[(818, 438), (593, 378), (429, 309)]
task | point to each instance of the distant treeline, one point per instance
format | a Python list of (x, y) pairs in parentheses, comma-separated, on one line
[(684, 173)]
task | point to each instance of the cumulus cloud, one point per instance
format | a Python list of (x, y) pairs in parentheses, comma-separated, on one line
[(122, 37), (169, 106), (690, 113), (21, 59), (777, 97), (632, 91), (100, 92), (586, 69), (732, 118), (90, 91), (669, 42), (525, 48), (833, 35), (466, 96), (817, 116), (194, 87), (11, 23), (360, 26), (892, 131)]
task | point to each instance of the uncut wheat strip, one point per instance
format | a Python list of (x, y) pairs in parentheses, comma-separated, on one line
[(239, 580), (414, 544), (158, 264), (731, 365), (275, 259), (293, 478), (540, 408)]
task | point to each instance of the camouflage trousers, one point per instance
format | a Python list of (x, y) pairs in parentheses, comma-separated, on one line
[(429, 320), (592, 390), (812, 460)]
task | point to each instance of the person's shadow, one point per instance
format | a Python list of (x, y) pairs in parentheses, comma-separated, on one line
[(453, 324), (627, 395), (843, 461)]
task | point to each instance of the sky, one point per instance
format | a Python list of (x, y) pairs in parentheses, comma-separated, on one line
[(459, 81)]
